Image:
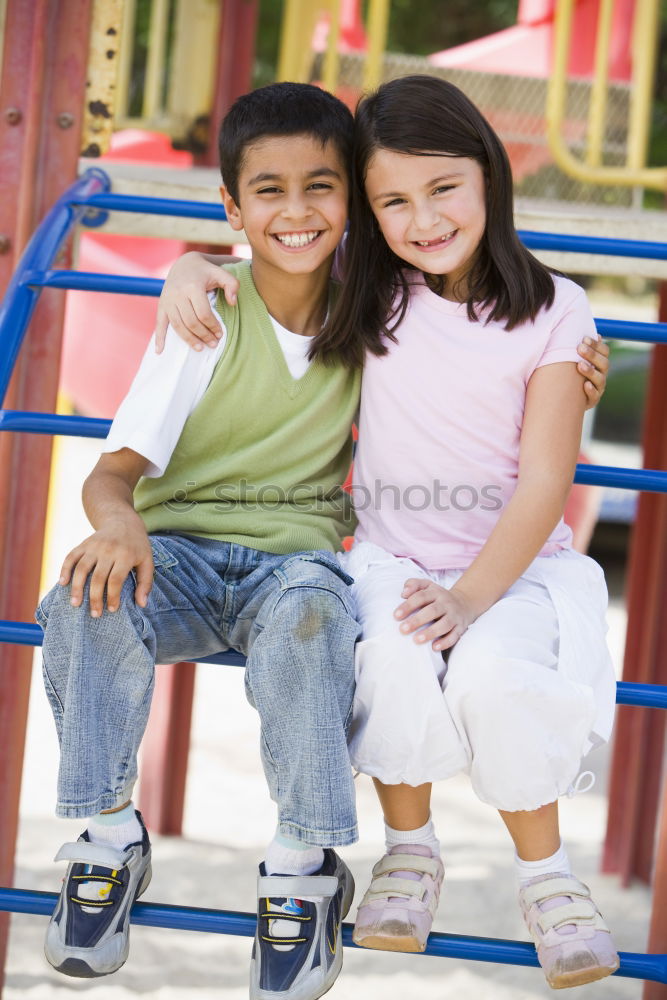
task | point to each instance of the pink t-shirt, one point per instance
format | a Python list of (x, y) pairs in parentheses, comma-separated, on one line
[(440, 425)]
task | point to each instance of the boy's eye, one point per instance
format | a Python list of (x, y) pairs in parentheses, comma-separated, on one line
[(268, 190), (321, 186)]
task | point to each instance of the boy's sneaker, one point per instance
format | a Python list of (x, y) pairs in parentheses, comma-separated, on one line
[(298, 951), (574, 945), (89, 932), (397, 912)]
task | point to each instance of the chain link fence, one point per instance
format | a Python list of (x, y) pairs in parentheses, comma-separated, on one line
[(515, 106)]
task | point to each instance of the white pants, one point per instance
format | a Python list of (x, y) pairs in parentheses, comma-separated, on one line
[(499, 709)]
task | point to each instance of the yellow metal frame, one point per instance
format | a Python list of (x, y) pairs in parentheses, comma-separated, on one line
[(106, 44), (635, 173), (155, 63), (299, 20), (3, 16), (125, 57)]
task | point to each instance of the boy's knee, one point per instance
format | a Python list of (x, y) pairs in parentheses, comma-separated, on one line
[(57, 605), (315, 600), (57, 600), (313, 614)]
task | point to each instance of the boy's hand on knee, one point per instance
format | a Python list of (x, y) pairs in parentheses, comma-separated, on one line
[(440, 615), (594, 369), (106, 558)]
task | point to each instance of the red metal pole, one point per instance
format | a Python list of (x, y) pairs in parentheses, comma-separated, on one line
[(165, 749), (41, 97), (639, 742), (236, 60), (657, 941)]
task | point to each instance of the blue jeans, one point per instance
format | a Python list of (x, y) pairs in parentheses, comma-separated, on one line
[(292, 616)]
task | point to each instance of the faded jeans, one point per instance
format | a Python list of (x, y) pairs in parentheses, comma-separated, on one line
[(292, 616)]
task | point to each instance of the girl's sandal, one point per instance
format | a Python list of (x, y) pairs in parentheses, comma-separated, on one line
[(574, 945), (397, 911)]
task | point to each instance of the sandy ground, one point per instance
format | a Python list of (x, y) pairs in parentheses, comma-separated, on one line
[(229, 818)]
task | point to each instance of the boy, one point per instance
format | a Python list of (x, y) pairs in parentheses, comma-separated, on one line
[(217, 508)]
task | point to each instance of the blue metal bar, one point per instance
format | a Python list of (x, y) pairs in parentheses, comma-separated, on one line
[(593, 244), (155, 206), (621, 329), (476, 949), (627, 693), (645, 695), (19, 302), (86, 281), (21, 633), (648, 480), (53, 423), (532, 239), (617, 329)]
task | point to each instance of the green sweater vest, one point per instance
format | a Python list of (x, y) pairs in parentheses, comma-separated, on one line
[(262, 457)]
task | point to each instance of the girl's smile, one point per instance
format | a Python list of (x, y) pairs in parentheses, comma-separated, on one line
[(440, 241), (429, 206)]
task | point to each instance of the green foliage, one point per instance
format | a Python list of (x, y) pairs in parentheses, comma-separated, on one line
[(657, 155), (417, 28), (268, 41), (424, 28), (619, 413)]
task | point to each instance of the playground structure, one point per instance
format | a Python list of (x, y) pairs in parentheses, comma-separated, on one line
[(46, 148), (33, 274)]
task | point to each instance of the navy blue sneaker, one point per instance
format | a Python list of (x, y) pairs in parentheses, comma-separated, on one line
[(298, 951), (89, 932)]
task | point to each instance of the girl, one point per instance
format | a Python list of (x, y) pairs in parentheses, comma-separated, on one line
[(483, 644)]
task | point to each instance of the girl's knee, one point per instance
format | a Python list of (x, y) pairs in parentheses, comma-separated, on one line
[(394, 656)]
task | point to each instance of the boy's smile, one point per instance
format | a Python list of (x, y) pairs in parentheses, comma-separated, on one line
[(293, 203)]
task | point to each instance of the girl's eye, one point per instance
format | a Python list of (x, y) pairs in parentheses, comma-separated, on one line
[(394, 201), (444, 188)]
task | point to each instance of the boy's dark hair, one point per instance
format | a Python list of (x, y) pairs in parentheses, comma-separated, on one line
[(281, 109), (422, 116)]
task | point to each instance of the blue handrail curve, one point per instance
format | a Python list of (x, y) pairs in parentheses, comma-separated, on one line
[(20, 299)]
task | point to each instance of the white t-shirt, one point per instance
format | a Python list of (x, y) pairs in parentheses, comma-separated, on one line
[(168, 386)]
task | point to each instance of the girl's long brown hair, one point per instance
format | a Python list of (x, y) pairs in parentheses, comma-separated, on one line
[(421, 116)]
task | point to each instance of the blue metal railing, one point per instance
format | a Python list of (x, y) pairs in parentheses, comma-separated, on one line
[(87, 201), (634, 965)]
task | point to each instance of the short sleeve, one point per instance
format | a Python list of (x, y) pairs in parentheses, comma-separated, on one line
[(165, 391), (574, 322)]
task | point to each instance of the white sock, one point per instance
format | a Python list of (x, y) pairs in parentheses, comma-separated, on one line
[(424, 835), (116, 829), (288, 856), (558, 862)]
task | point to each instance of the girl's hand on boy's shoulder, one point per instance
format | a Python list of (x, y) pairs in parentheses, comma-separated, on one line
[(106, 558), (184, 302), (594, 368), (440, 615)]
